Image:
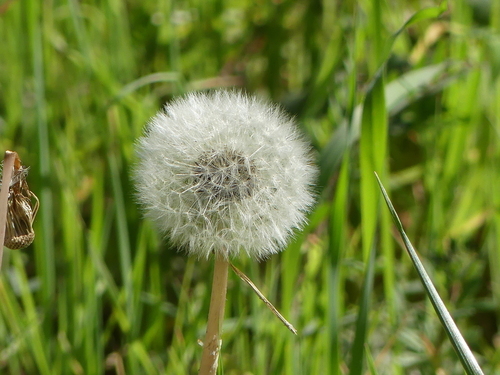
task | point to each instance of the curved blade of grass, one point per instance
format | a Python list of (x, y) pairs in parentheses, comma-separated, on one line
[(469, 363), (129, 88), (422, 14)]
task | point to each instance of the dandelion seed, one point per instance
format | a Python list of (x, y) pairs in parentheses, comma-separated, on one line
[(223, 173)]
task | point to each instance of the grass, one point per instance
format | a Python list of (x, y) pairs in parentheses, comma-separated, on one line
[(99, 293)]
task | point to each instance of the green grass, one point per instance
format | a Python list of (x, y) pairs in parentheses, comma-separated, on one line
[(99, 291)]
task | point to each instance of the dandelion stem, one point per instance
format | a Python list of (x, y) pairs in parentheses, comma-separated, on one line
[(8, 165), (212, 343)]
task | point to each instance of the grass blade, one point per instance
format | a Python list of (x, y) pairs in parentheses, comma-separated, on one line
[(336, 252), (45, 259), (372, 154), (358, 347), (469, 363)]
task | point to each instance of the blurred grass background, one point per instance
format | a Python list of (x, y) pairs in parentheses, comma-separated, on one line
[(99, 293)]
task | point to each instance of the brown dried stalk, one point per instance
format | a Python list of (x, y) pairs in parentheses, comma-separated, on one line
[(17, 210), (213, 342), (263, 298)]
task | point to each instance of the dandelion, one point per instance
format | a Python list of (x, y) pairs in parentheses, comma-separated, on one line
[(221, 174), (224, 173)]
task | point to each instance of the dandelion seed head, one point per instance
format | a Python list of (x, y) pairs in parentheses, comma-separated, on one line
[(224, 173)]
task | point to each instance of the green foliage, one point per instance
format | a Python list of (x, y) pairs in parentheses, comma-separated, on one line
[(408, 91)]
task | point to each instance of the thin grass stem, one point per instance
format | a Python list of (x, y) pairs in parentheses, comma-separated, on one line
[(263, 298)]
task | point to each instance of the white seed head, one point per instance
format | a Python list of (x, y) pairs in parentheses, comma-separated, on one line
[(224, 172)]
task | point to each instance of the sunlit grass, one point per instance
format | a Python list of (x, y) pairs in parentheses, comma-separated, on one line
[(99, 290)]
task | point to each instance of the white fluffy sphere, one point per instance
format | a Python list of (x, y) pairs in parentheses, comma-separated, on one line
[(224, 172)]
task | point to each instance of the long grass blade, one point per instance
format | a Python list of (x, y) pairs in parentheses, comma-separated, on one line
[(338, 214), (468, 360), (358, 347)]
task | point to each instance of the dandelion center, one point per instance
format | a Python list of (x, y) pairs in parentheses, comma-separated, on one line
[(224, 176)]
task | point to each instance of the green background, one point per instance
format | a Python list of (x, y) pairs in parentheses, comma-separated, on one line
[(100, 293)]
